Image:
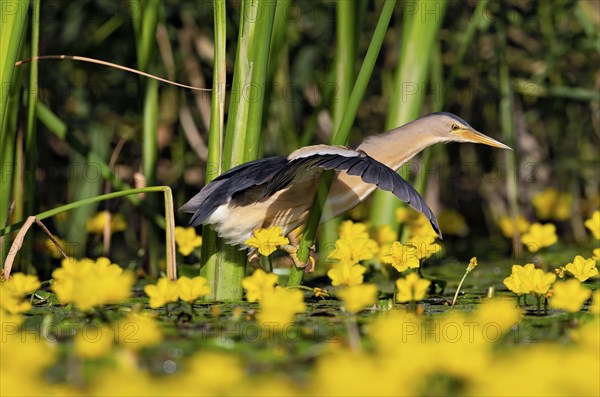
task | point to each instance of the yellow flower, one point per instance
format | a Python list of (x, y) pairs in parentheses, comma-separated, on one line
[(96, 223), (88, 283), (267, 240), (345, 273), (516, 282), (12, 304), (191, 289), (411, 288), (560, 272), (138, 330), (541, 281), (596, 254), (595, 306), (401, 256), (497, 312), (551, 204), (213, 373), (187, 240), (94, 342), (453, 223), (593, 223), (472, 264), (385, 235), (258, 284), (163, 292), (582, 268), (358, 297), (539, 236), (507, 225), (354, 251), (320, 292), (349, 231), (278, 308), (421, 227), (569, 295), (424, 246), (405, 215), (527, 279), (21, 284), (417, 223)]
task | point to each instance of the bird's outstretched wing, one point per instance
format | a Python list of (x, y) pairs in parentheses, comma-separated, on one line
[(354, 163), (221, 189)]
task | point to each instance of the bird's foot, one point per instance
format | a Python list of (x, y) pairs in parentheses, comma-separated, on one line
[(254, 259), (292, 251)]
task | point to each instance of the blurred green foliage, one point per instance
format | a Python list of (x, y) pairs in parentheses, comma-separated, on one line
[(552, 56)]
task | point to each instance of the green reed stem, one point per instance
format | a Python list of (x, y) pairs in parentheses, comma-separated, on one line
[(508, 131), (243, 133)]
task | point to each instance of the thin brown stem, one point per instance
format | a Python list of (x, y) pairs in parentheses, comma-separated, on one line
[(109, 64)]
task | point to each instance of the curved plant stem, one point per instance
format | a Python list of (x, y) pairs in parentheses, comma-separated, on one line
[(169, 217)]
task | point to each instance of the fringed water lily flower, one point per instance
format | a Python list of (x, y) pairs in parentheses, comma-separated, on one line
[(354, 251), (97, 223), (344, 273), (593, 224), (191, 289), (258, 284), (163, 292), (412, 288), (266, 241), (358, 297), (510, 227), (539, 236), (87, 283), (278, 308), (529, 280), (552, 204), (569, 295), (581, 268), (187, 240)]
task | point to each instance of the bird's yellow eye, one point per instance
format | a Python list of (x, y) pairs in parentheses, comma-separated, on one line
[(455, 127)]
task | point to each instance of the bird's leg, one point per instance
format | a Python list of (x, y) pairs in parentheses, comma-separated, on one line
[(253, 259), (312, 261), (292, 250)]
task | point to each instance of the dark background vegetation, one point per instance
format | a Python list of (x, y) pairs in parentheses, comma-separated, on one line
[(552, 55)]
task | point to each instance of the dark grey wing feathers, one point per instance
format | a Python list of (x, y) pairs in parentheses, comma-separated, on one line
[(358, 169), (370, 171), (220, 190), (276, 173)]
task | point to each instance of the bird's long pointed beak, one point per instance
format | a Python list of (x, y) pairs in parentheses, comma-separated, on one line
[(478, 137)]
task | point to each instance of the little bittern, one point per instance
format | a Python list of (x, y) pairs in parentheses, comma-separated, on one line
[(279, 191)]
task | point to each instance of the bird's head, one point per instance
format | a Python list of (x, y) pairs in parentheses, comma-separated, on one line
[(451, 128)]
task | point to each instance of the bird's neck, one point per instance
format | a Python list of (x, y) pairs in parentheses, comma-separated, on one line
[(394, 148)]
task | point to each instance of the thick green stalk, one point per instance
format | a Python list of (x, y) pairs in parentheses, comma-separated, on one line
[(341, 136), (210, 241), (14, 20), (508, 131), (409, 85), (244, 126), (12, 28)]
